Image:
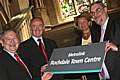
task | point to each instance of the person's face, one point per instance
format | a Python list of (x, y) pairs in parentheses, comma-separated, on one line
[(37, 27), (83, 24), (99, 13), (10, 41)]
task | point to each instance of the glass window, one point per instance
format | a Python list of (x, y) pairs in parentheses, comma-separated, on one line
[(69, 8)]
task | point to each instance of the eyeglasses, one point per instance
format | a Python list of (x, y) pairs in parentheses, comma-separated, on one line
[(97, 11)]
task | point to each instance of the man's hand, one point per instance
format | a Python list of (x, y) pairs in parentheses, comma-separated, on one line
[(111, 46), (43, 68)]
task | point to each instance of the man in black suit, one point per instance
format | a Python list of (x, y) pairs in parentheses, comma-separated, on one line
[(33, 55), (10, 69), (110, 31)]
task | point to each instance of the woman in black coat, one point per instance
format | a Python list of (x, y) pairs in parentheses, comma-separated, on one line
[(87, 31)]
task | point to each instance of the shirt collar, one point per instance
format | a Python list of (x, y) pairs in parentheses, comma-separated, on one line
[(35, 38), (12, 54)]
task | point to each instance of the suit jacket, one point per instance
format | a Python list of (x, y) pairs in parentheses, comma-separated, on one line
[(112, 59), (33, 55), (10, 69), (1, 48)]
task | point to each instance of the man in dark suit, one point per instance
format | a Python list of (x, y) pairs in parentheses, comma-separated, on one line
[(10, 69), (11, 65), (33, 55), (110, 31)]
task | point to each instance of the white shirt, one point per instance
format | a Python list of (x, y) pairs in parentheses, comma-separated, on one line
[(103, 29), (37, 39), (12, 54), (88, 41)]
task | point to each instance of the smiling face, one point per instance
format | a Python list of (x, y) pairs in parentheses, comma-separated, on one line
[(10, 41), (83, 23), (99, 13), (37, 27)]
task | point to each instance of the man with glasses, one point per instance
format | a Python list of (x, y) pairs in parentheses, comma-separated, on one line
[(110, 31)]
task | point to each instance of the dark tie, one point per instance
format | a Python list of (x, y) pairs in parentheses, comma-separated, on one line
[(19, 61), (43, 49), (22, 64)]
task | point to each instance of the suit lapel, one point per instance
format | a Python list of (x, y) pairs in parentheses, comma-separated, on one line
[(107, 32), (34, 46), (12, 61), (9, 57), (14, 65), (47, 47)]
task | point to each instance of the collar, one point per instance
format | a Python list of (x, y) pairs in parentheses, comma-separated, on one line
[(35, 38), (12, 54)]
